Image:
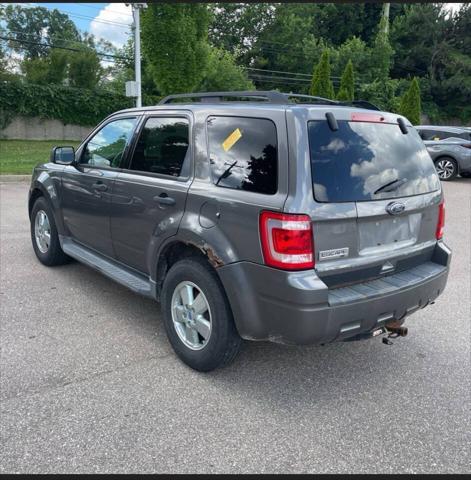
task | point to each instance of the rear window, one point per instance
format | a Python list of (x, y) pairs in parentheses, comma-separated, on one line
[(354, 162), (243, 153)]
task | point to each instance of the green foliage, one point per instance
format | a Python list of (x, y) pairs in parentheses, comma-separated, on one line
[(84, 69), (381, 54), (321, 85), (70, 105), (38, 26), (381, 93), (223, 74), (236, 26), (174, 40), (410, 105), (347, 84), (46, 70)]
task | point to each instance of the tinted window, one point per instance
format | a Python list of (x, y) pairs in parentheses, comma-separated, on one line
[(443, 135), (440, 135), (429, 134), (162, 146), (106, 148), (243, 153), (352, 163)]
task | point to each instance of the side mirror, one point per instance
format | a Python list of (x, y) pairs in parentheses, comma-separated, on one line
[(63, 155)]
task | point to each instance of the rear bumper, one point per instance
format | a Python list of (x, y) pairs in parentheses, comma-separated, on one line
[(298, 308)]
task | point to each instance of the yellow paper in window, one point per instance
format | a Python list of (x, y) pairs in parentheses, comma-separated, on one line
[(231, 140)]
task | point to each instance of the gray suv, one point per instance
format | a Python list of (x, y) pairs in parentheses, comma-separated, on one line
[(251, 215)]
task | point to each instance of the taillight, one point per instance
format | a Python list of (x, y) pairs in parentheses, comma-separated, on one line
[(466, 145), (441, 220), (287, 240)]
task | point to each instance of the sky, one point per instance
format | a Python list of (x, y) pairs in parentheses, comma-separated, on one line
[(112, 21)]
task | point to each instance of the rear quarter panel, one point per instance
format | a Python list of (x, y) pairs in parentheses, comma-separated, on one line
[(224, 221)]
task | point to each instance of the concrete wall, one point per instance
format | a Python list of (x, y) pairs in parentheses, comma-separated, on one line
[(35, 128)]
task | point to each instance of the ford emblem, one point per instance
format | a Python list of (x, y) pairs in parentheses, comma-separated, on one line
[(395, 208)]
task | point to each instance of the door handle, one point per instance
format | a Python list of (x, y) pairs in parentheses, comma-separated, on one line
[(164, 199), (100, 187)]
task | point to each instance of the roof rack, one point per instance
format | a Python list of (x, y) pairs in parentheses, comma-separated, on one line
[(213, 97), (270, 96)]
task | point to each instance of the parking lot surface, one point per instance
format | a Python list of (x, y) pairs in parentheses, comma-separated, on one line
[(89, 383)]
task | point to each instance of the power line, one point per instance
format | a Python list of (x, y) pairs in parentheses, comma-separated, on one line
[(60, 39), (276, 71), (100, 9), (60, 48), (86, 17)]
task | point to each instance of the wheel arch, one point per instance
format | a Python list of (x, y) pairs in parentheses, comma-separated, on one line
[(46, 188), (177, 248)]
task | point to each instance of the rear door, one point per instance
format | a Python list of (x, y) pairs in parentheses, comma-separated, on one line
[(149, 195), (389, 178)]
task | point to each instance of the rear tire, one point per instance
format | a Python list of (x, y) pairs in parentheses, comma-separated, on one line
[(44, 235), (197, 316), (447, 168), (465, 174)]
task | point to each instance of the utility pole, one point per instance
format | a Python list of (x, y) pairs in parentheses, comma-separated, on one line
[(385, 16), (137, 49)]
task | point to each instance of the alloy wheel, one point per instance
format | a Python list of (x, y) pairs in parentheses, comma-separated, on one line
[(191, 315)]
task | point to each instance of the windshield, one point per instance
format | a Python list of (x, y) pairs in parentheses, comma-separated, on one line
[(368, 161)]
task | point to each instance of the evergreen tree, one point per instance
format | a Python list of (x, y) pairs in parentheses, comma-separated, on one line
[(347, 84), (321, 85), (410, 103)]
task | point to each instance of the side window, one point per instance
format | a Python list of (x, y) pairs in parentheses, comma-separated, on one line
[(428, 134), (243, 153), (106, 148), (162, 146), (442, 135)]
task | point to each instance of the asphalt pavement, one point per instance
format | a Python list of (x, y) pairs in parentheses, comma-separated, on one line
[(89, 383)]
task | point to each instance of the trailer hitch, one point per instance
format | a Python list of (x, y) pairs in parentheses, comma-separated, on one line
[(394, 332)]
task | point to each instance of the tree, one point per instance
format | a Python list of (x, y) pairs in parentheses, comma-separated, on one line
[(174, 41), (382, 52), (410, 103), (235, 27), (223, 74), (46, 70), (347, 84), (321, 84), (36, 27), (85, 70)]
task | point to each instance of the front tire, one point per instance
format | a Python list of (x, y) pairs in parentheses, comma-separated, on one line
[(197, 316), (447, 168), (44, 235)]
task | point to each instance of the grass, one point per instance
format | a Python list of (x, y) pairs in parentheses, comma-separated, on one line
[(20, 156)]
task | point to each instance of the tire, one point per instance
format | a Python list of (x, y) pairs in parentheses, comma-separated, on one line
[(188, 278), (447, 168), (465, 174), (49, 253)]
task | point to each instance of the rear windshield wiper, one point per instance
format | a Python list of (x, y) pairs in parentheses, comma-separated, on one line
[(391, 186)]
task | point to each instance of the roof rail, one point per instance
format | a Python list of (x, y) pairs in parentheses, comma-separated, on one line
[(270, 96), (312, 97), (211, 97)]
